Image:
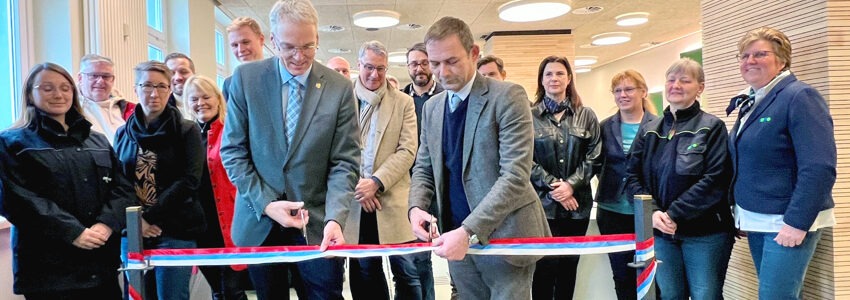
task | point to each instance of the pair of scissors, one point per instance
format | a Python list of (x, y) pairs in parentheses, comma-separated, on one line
[(304, 228), (433, 229)]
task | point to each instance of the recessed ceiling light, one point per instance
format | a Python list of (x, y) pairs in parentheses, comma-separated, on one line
[(584, 60), (582, 70), (632, 19), (397, 57), (611, 38), (587, 10), (533, 10), (376, 18), (339, 50), (331, 28)]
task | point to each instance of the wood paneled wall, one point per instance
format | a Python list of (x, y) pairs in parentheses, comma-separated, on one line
[(523, 53), (818, 30)]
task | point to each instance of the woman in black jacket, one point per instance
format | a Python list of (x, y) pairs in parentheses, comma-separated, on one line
[(162, 154), (566, 147), (64, 192), (681, 160), (615, 207)]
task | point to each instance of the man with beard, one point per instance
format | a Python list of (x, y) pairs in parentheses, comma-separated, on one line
[(182, 67), (423, 85)]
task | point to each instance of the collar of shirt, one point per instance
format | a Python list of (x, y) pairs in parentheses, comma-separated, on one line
[(760, 93), (463, 92), (285, 75), (430, 92)]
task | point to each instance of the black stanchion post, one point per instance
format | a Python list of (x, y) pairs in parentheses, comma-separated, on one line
[(136, 277), (643, 232)]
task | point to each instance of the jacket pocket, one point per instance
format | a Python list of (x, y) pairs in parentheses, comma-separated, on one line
[(690, 157)]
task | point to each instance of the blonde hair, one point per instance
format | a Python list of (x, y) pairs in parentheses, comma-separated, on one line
[(240, 22), (777, 39), (28, 108), (637, 78), (206, 85), (687, 66)]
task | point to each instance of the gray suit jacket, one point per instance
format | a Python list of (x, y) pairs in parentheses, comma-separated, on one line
[(321, 166), (497, 156)]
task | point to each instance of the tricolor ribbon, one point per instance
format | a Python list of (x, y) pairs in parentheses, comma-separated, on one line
[(645, 280)]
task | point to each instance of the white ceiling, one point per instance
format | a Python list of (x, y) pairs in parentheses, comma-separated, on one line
[(668, 20)]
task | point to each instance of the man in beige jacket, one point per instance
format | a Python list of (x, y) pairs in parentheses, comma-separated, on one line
[(388, 142)]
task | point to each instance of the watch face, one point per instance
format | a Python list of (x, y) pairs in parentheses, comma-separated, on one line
[(473, 239)]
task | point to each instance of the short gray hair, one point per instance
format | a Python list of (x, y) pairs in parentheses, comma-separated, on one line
[(687, 66), (296, 11), (90, 59), (374, 46)]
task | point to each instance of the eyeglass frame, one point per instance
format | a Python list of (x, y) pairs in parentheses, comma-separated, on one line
[(149, 87), (757, 55), (629, 91), (372, 68), (60, 89), (292, 50), (416, 64), (95, 76)]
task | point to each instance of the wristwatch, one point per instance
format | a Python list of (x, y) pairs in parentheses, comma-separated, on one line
[(473, 238)]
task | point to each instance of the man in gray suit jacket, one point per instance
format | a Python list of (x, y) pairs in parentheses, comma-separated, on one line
[(291, 159), (475, 156)]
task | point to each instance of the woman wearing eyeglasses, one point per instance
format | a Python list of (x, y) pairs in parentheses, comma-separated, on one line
[(64, 192), (784, 158), (566, 148), (681, 160), (161, 152), (615, 208)]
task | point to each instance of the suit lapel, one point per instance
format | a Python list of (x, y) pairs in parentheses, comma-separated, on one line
[(765, 103), (616, 121), (477, 100), (436, 136), (385, 113), (274, 108), (312, 94)]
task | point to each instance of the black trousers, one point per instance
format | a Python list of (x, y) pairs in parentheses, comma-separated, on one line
[(555, 276)]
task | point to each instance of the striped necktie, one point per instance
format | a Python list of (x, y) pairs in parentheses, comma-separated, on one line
[(454, 102), (293, 108)]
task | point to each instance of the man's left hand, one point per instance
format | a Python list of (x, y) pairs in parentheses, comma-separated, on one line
[(332, 236), (366, 194), (452, 245)]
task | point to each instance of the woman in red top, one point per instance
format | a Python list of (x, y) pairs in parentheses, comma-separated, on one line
[(207, 107)]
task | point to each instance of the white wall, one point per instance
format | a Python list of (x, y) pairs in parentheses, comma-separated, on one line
[(594, 87), (57, 33)]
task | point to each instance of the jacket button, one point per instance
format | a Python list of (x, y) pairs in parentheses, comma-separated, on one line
[(78, 149), (85, 179), (561, 161), (561, 141)]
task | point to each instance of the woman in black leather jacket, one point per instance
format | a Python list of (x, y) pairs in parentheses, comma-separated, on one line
[(682, 161), (64, 192), (162, 154), (566, 147)]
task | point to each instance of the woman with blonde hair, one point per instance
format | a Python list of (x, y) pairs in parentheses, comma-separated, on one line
[(216, 193), (615, 208), (64, 192)]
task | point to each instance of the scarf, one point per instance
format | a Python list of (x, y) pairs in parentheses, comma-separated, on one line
[(555, 107)]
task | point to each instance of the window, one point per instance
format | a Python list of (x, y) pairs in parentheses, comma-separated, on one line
[(154, 53), (154, 9), (10, 61), (219, 81), (220, 48)]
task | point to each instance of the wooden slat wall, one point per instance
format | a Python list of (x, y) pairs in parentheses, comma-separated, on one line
[(106, 32), (820, 57), (523, 53)]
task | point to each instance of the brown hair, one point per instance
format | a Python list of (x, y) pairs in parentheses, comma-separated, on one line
[(175, 55), (152, 66), (28, 109), (491, 59), (448, 26), (779, 41), (572, 94), (637, 78)]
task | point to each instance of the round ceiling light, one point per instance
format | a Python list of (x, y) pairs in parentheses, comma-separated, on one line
[(585, 60), (398, 57), (376, 18), (580, 70), (610, 38), (533, 10), (632, 19)]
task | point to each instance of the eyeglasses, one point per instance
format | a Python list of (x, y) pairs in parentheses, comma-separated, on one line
[(147, 87), (49, 88), (758, 55), (306, 49), (371, 68), (629, 91), (96, 76), (415, 64)]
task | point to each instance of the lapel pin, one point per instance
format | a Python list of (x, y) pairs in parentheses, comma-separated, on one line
[(318, 85), (106, 179)]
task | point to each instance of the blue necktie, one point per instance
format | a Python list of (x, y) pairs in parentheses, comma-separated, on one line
[(293, 108), (454, 102)]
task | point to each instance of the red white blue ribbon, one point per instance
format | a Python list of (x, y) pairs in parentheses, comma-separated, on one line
[(645, 280)]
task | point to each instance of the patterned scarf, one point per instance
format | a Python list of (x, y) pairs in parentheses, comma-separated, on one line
[(146, 177), (555, 107)]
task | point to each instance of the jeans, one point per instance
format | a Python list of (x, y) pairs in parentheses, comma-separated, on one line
[(780, 269), (625, 278), (171, 282), (555, 276), (413, 276), (692, 266)]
